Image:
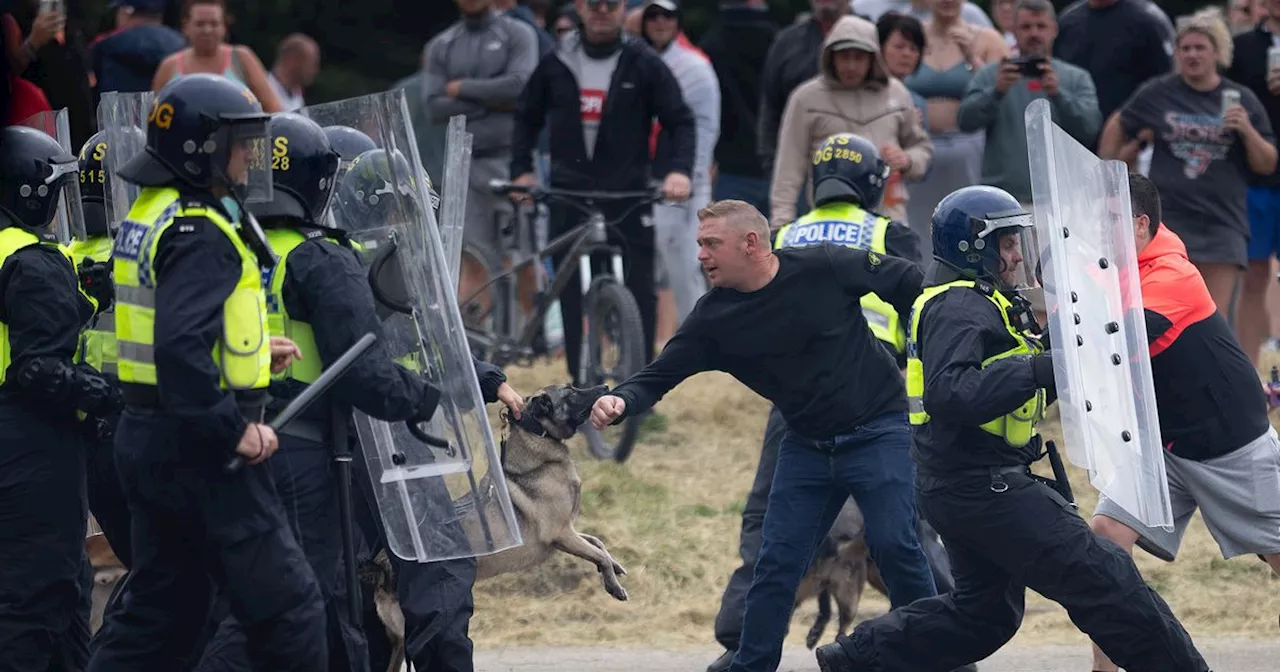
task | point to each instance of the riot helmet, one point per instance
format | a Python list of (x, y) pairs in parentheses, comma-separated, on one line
[(37, 171), (95, 181), (378, 185), (983, 233), (206, 132), (305, 171), (848, 168), (348, 142)]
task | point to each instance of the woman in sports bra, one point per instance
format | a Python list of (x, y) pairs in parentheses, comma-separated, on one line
[(954, 51), (204, 22)]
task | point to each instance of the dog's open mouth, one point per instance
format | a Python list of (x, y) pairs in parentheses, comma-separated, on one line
[(584, 400)]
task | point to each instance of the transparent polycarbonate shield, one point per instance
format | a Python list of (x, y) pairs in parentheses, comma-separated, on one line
[(456, 182), (438, 499), (1101, 363), (124, 118), (68, 221)]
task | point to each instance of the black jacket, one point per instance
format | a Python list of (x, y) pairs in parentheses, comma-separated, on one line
[(327, 286), (1249, 67), (958, 331), (642, 88), (792, 59), (738, 46)]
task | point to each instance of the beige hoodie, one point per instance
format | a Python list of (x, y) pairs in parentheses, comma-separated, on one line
[(880, 109)]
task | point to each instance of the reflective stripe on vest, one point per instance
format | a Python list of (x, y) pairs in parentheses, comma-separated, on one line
[(243, 351), (307, 369), (98, 343), (847, 224), (1017, 427)]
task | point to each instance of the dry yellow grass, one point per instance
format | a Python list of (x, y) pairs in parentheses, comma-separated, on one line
[(671, 515)]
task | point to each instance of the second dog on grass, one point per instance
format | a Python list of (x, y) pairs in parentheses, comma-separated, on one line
[(546, 493), (840, 571)]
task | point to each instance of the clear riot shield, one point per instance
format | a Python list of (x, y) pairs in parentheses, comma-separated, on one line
[(456, 183), (438, 499), (124, 118), (1090, 275), (69, 220)]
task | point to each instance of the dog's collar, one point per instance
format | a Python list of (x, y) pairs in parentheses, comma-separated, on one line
[(528, 424)]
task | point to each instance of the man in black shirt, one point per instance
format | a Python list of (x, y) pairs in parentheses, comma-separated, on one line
[(977, 383), (789, 325), (1122, 43)]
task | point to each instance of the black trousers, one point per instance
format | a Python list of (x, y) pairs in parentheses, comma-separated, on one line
[(191, 524), (636, 239), (1002, 543), (303, 473), (43, 619), (728, 624)]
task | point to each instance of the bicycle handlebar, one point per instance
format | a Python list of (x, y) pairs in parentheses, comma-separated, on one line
[(503, 187)]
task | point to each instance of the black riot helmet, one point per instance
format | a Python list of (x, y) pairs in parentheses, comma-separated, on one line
[(36, 170), (95, 181), (348, 142), (205, 131), (848, 168), (94, 193), (304, 171), (376, 186)]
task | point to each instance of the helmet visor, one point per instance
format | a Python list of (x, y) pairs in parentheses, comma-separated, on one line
[(248, 159), (329, 183), (63, 182), (1012, 251)]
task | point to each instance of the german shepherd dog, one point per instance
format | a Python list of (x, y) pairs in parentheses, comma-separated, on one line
[(545, 492), (841, 569)]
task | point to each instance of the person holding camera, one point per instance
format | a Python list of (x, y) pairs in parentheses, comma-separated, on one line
[(999, 94)]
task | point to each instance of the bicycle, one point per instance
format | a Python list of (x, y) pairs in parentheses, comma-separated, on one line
[(611, 312)]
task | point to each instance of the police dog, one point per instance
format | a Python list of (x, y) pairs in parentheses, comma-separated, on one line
[(546, 493), (841, 570), (107, 572)]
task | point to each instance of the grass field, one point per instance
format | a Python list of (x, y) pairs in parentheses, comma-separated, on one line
[(671, 515)]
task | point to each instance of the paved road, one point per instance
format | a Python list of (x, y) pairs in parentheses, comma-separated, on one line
[(1223, 655)]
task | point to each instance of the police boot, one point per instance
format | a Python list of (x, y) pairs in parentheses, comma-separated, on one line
[(722, 663), (832, 658)]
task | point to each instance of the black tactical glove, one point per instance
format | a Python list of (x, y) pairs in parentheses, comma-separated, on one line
[(97, 394), (429, 402), (95, 278), (1042, 370)]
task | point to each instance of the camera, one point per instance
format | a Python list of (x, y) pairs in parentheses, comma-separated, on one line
[(1030, 66)]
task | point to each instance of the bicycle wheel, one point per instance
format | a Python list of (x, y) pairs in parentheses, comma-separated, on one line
[(613, 323), (486, 312)]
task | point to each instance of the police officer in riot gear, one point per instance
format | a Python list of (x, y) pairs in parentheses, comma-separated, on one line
[(436, 597), (319, 297), (195, 359), (977, 383), (98, 348), (44, 395)]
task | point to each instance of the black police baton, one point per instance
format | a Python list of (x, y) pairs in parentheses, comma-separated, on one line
[(1060, 473), (346, 517), (313, 392)]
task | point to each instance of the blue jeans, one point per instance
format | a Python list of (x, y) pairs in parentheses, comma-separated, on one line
[(812, 481)]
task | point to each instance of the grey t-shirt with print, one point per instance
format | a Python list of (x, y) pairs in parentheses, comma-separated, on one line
[(594, 76), (1200, 168)]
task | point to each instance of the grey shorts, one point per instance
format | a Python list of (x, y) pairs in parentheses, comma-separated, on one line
[(1238, 495), (1213, 243)]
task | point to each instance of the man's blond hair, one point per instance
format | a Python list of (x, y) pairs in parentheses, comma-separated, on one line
[(740, 215)]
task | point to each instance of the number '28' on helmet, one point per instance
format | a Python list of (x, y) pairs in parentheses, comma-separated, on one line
[(984, 233), (304, 171)]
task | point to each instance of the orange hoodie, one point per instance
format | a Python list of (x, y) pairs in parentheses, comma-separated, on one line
[(1208, 395)]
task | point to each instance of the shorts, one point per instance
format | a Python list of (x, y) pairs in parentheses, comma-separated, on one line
[(1238, 495), (487, 212), (1213, 243), (1264, 223)]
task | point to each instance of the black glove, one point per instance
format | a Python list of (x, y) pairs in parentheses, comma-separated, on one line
[(1042, 370), (99, 430), (427, 407), (95, 278), (97, 394)]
